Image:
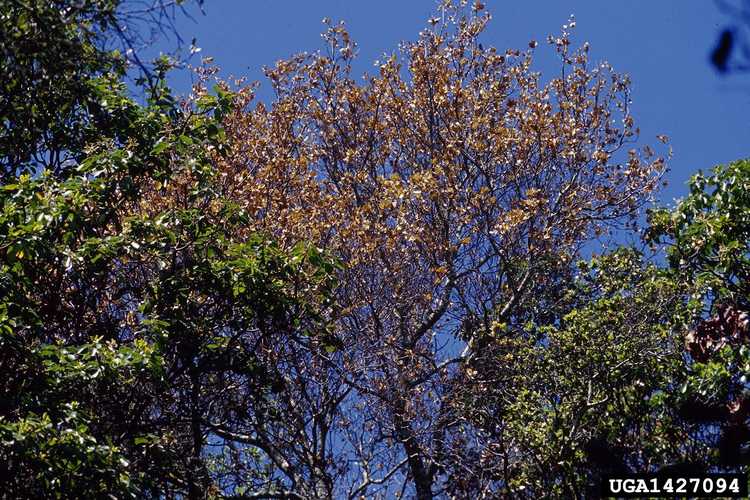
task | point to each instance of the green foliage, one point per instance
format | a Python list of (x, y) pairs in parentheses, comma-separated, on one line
[(115, 311), (589, 394), (60, 459), (709, 249), (54, 447), (642, 366), (131, 294), (709, 233), (51, 59)]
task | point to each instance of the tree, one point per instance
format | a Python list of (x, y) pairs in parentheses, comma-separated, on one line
[(128, 325), (709, 248), (53, 55), (118, 322), (456, 189), (550, 407), (365, 288), (637, 367)]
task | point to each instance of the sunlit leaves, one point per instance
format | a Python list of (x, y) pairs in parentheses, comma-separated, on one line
[(132, 290), (585, 394), (455, 185), (708, 238)]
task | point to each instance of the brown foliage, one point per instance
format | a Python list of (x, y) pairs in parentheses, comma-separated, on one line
[(728, 326), (450, 185)]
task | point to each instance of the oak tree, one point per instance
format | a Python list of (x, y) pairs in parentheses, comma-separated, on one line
[(456, 187)]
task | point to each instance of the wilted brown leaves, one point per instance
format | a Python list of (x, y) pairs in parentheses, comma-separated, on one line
[(445, 183)]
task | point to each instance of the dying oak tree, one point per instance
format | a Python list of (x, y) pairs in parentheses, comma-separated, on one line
[(456, 187)]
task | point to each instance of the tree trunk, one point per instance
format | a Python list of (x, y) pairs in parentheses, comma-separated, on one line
[(415, 459)]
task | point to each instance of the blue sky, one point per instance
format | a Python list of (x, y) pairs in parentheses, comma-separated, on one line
[(662, 44)]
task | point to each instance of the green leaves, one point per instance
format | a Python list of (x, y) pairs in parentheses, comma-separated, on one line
[(82, 364), (708, 249), (586, 393), (49, 103), (61, 457), (709, 232), (130, 292)]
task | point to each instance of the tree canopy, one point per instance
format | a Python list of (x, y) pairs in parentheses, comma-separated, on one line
[(126, 322), (406, 285)]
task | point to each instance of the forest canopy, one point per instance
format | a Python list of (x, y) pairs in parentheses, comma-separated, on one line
[(407, 285)]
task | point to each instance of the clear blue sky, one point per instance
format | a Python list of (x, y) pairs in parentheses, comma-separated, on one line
[(662, 44)]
